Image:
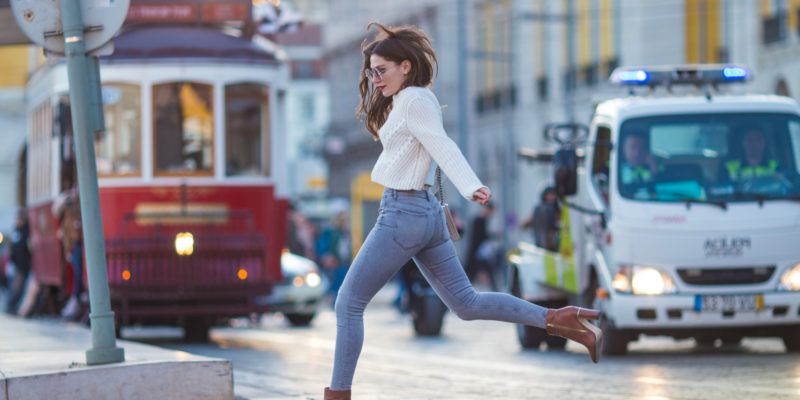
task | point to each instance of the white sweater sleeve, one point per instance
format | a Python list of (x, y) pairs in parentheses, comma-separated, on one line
[(425, 123)]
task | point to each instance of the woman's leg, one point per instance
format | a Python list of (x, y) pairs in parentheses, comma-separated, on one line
[(376, 262), (441, 267)]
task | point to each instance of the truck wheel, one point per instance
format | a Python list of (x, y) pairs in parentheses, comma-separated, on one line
[(530, 337), (791, 339), (615, 341), (705, 341), (429, 319), (731, 340), (555, 342), (299, 319), (196, 330)]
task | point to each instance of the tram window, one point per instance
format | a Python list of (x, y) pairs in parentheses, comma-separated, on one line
[(183, 124), (247, 130), (119, 149), (39, 150)]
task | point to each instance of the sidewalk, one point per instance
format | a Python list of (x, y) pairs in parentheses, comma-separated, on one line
[(44, 359)]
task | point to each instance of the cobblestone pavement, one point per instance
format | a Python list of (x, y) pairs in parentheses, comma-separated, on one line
[(483, 360)]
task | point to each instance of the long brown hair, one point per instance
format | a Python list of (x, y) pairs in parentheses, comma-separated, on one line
[(394, 44)]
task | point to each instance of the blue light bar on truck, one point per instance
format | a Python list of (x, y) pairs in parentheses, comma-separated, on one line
[(680, 75), (734, 73), (634, 77)]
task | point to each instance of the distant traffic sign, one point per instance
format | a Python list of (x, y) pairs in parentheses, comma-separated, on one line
[(41, 21)]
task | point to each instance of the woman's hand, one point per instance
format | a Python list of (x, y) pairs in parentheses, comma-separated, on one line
[(482, 196)]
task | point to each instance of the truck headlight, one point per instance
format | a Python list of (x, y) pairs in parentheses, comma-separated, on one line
[(313, 279), (642, 280), (790, 280)]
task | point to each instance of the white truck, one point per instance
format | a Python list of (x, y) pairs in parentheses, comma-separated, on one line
[(679, 214)]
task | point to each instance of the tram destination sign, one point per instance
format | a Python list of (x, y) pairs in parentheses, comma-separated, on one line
[(41, 21), (189, 11)]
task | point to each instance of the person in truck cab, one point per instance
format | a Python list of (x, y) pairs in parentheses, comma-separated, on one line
[(754, 162), (638, 167)]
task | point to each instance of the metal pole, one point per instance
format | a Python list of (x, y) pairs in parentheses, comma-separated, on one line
[(104, 347), (573, 73), (463, 88), (514, 88)]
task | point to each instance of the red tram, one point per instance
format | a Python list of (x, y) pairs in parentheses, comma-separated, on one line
[(191, 174)]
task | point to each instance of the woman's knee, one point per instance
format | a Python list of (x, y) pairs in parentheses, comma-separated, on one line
[(465, 309), (347, 305), (466, 314)]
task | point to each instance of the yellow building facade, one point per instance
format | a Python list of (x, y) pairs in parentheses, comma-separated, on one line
[(15, 66)]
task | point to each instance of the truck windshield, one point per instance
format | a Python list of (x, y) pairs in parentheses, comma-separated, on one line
[(714, 158)]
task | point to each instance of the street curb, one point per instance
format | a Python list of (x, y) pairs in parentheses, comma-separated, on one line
[(3, 387), (202, 379)]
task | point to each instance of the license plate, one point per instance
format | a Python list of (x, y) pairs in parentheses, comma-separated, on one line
[(738, 302)]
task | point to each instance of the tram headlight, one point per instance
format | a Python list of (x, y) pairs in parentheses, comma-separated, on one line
[(642, 280), (184, 244), (790, 280)]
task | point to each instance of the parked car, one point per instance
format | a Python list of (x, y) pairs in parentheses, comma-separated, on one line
[(300, 292)]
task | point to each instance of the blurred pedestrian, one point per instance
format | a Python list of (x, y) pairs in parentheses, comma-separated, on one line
[(20, 256), (4, 268), (545, 221), (479, 252), (293, 242), (333, 248), (68, 210), (403, 113), (300, 234)]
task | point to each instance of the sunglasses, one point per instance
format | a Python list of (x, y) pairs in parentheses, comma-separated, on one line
[(376, 74)]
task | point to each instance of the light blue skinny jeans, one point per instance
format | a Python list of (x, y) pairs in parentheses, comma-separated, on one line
[(411, 224)]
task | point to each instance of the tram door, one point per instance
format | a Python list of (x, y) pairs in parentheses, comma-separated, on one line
[(365, 198), (68, 177)]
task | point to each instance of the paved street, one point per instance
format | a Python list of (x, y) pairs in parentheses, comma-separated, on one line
[(482, 360)]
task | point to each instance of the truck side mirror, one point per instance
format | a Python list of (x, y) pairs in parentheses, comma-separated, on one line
[(565, 164)]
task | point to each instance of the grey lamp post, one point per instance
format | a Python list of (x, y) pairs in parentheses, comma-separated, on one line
[(82, 93), (74, 28)]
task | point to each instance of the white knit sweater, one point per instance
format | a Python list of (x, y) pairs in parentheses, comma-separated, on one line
[(412, 134)]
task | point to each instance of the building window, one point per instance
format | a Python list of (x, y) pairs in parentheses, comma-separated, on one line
[(797, 18), (774, 28), (571, 79), (782, 89), (183, 128), (119, 148), (541, 87), (308, 107), (610, 65), (305, 70), (247, 130), (589, 74)]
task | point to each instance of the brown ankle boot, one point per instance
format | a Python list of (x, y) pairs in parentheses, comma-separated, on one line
[(336, 394), (571, 323)]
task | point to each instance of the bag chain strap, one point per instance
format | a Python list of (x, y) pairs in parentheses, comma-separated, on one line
[(440, 188)]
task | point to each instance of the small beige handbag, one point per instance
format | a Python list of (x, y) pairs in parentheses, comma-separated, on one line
[(451, 224)]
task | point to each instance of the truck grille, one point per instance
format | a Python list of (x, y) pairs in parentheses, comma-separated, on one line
[(726, 276)]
